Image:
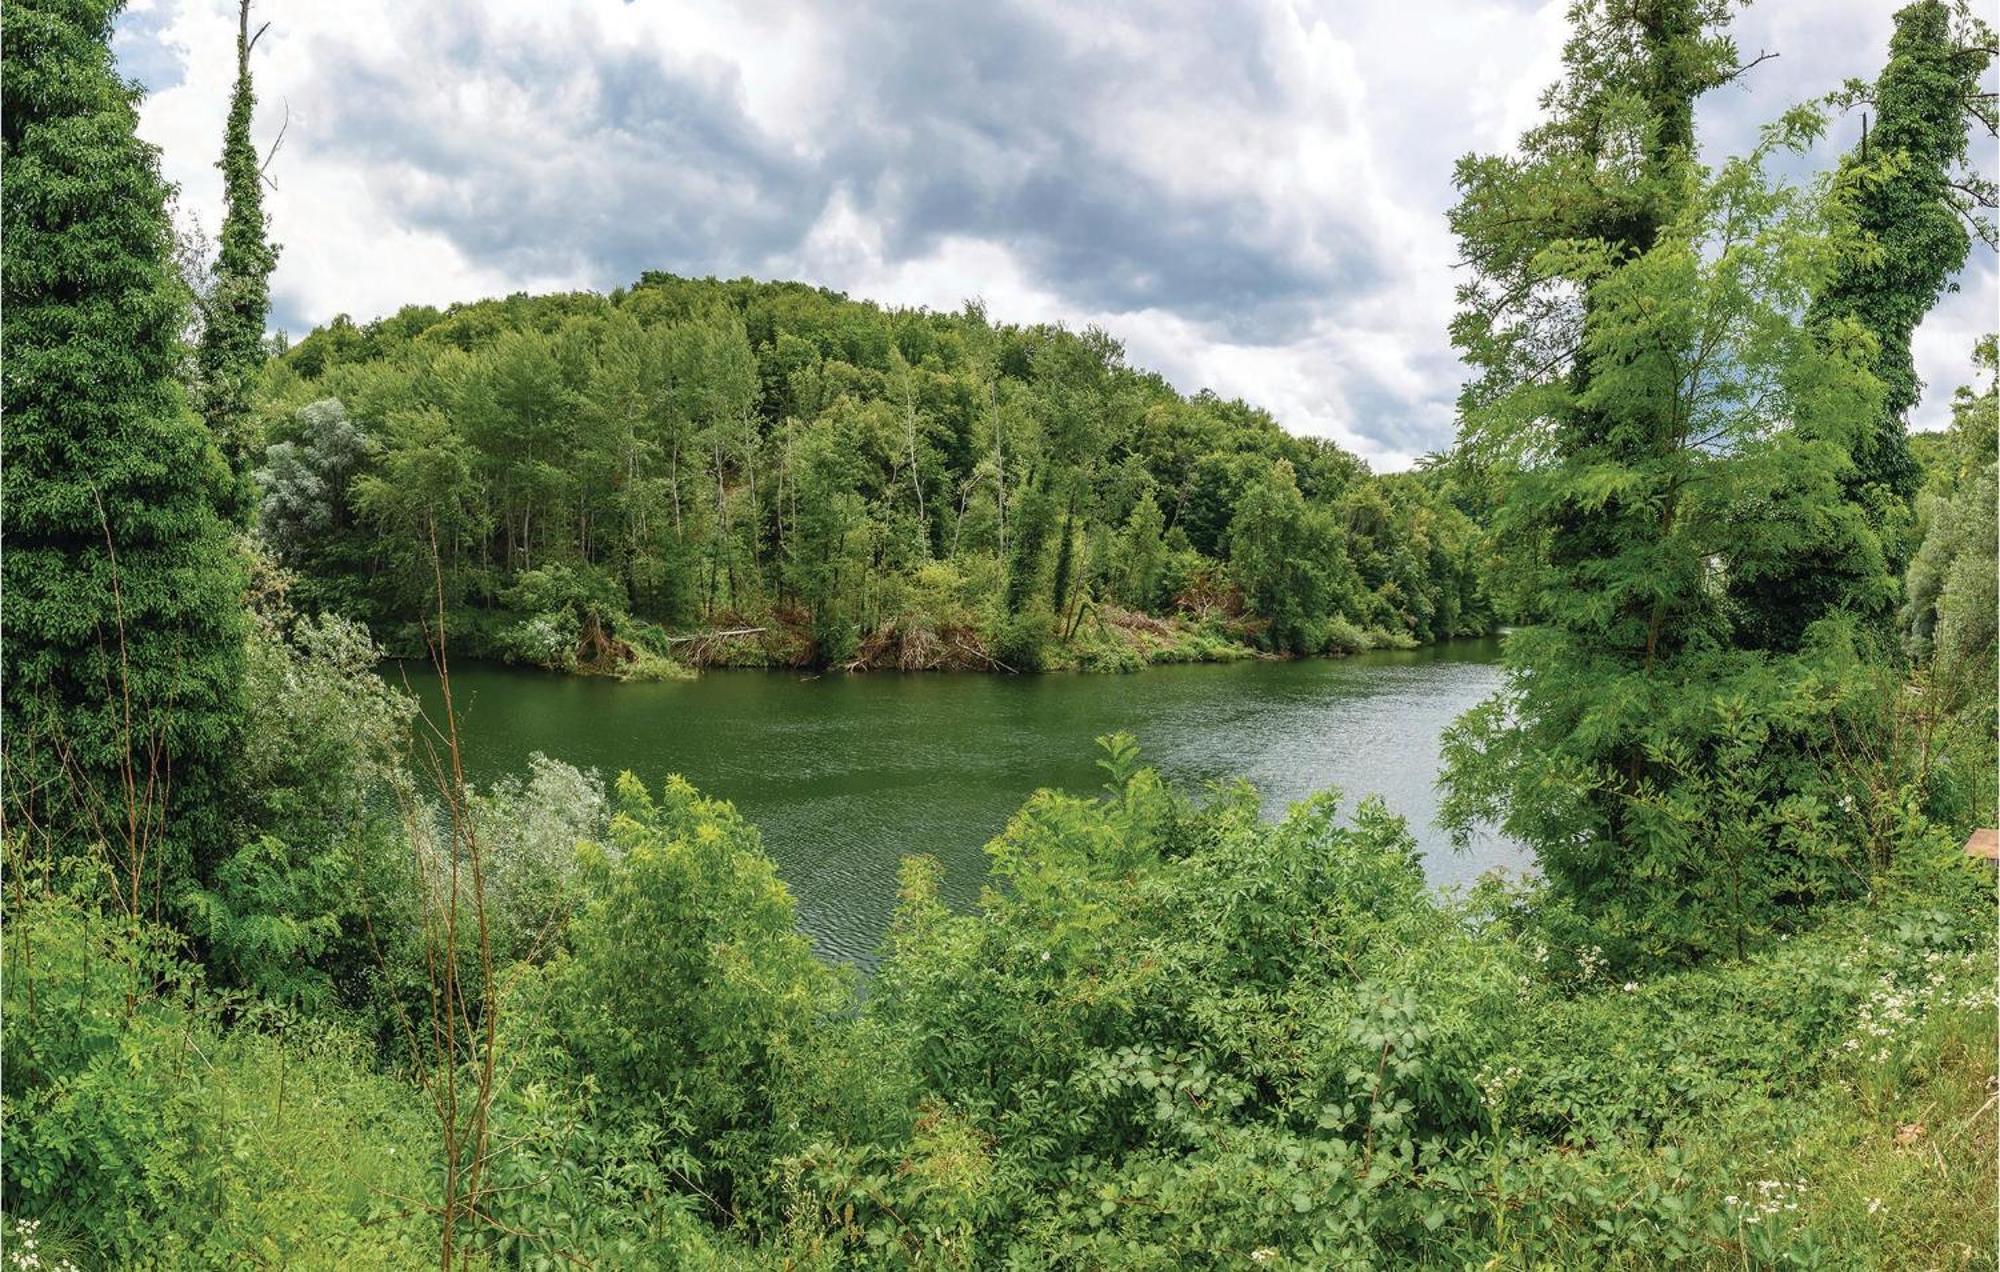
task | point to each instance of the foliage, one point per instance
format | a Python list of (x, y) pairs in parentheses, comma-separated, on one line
[(305, 478), (1660, 741), (532, 828), (1745, 1019), (1950, 605), (122, 587), (687, 989), (768, 458), (320, 846), (1171, 1035), (573, 615), (1278, 549), (1912, 202), (1910, 197), (234, 306), (151, 1136)]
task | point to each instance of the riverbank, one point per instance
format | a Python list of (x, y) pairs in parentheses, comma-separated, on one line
[(1105, 639), (1101, 639)]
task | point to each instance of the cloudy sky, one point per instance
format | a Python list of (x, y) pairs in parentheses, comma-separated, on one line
[(1250, 195)]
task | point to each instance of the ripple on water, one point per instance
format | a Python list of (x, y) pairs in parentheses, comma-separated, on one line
[(847, 775)]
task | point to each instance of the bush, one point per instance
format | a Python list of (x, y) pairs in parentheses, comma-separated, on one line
[(573, 614), (1343, 637), (320, 846), (140, 1128), (689, 990), (530, 830), (1022, 642)]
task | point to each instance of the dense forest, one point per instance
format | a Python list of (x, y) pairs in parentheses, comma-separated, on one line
[(282, 988), (769, 473)]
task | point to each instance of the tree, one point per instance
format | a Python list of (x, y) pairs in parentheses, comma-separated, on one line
[(1913, 202), (123, 590), (424, 498), (1644, 377), (825, 553), (1913, 205), (304, 481), (232, 333), (1948, 615), (1287, 558), (1141, 549), (673, 436)]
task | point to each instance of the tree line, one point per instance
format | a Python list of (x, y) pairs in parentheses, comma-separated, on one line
[(898, 487)]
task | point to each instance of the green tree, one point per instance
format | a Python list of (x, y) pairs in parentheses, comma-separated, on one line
[(1286, 557), (123, 588), (239, 297), (1644, 376), (1914, 203), (427, 505), (826, 550), (1141, 554), (1914, 200), (1950, 596)]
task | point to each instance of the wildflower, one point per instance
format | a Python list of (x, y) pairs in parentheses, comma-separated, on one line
[(1631, 987), (1874, 1204)]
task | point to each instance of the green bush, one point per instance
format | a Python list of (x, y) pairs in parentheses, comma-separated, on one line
[(1024, 641), (138, 1126), (688, 989)]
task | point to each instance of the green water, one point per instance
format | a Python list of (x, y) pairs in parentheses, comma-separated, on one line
[(847, 774)]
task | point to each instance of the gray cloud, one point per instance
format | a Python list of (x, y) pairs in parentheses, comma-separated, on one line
[(647, 164)]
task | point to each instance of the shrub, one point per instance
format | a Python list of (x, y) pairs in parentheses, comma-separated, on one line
[(530, 829), (134, 1122), (689, 989), (1022, 642)]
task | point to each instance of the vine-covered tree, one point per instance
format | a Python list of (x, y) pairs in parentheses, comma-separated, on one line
[(239, 297), (123, 589), (1918, 204), (1919, 207), (1643, 377)]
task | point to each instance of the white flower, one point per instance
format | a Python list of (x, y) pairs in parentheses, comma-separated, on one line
[(1631, 987)]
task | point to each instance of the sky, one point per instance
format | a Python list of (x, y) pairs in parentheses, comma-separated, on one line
[(1250, 195)]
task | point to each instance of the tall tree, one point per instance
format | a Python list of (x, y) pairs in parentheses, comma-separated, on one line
[(233, 312), (122, 586), (1643, 375), (1915, 202), (1909, 194)]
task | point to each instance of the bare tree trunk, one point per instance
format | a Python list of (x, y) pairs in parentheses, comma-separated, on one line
[(916, 474), (1000, 478)]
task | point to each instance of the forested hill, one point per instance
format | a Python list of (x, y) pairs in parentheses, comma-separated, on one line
[(765, 472)]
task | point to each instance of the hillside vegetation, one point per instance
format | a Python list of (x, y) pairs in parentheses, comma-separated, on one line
[(743, 472)]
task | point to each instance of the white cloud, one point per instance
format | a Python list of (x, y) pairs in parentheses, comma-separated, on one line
[(1252, 199)]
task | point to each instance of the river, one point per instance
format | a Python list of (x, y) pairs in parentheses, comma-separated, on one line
[(847, 774)]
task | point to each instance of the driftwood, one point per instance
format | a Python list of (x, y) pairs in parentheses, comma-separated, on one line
[(721, 635)]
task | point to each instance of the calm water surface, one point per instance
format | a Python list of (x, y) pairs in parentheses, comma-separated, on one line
[(847, 774)]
